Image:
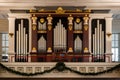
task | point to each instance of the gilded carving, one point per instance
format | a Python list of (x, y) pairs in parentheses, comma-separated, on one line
[(49, 18), (49, 49), (70, 49), (88, 10), (78, 20), (34, 27), (85, 49), (34, 49), (70, 18), (49, 27), (41, 10), (34, 18), (70, 27), (60, 10), (85, 27), (86, 18), (31, 10), (78, 10), (42, 20)]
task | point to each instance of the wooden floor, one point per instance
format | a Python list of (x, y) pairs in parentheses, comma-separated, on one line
[(59, 78)]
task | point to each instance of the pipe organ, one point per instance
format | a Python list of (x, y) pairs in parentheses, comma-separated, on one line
[(60, 35), (21, 38)]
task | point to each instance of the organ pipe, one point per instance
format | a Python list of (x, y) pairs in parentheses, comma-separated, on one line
[(21, 42), (78, 44), (26, 47), (24, 42), (19, 50), (41, 44), (98, 41), (95, 42), (21, 36), (78, 26), (98, 38), (59, 37), (41, 26)]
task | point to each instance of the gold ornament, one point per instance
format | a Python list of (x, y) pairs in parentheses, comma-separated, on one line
[(78, 10), (49, 27), (34, 27), (77, 20), (86, 27), (85, 49), (49, 49), (70, 49), (70, 27), (86, 18), (60, 10), (34, 49), (42, 20)]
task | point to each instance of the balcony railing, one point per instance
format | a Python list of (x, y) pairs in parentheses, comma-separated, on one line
[(40, 67)]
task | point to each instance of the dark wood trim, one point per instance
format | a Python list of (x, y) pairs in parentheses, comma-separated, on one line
[(59, 78)]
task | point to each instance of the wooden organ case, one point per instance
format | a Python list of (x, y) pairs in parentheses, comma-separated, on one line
[(60, 35)]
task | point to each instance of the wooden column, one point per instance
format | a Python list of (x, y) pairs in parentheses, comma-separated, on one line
[(70, 34), (85, 34), (34, 39), (49, 34), (86, 39)]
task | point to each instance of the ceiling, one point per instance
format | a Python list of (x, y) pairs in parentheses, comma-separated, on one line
[(101, 6), (6, 6)]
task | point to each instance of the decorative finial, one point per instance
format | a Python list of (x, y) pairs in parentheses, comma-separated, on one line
[(60, 10)]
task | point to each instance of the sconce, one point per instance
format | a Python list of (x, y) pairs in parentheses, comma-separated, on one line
[(11, 34), (109, 34)]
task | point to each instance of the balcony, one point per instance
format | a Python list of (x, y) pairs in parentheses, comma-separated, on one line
[(40, 67)]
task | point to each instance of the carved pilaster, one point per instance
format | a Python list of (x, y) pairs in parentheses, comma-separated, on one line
[(34, 33), (49, 34), (70, 34), (86, 34)]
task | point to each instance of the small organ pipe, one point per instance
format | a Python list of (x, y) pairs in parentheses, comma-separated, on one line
[(100, 39), (19, 39), (24, 47), (102, 43), (17, 49), (98, 52), (93, 43)]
